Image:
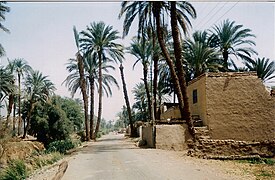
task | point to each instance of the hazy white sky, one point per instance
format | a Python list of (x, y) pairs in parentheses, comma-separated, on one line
[(41, 33)]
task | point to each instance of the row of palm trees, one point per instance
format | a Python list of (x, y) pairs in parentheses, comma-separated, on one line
[(36, 88), (97, 50)]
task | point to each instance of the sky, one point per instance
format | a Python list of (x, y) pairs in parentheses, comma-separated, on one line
[(42, 34)]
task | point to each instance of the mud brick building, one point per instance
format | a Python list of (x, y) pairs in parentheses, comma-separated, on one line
[(233, 106)]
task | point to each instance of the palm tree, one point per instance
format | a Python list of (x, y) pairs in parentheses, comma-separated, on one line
[(231, 38), (179, 14), (82, 82), (100, 39), (264, 67), (91, 78), (142, 50), (92, 68), (127, 101), (7, 86), (3, 10), (146, 28), (38, 88), (20, 67), (199, 56), (139, 93), (178, 75)]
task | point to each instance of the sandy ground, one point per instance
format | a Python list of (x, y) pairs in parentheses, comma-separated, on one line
[(115, 157)]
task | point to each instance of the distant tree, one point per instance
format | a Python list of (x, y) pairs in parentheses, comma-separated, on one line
[(38, 89), (139, 93), (20, 67), (143, 50), (230, 40)]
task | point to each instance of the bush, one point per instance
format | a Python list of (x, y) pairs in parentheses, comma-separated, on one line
[(60, 146), (98, 135), (46, 159), (16, 170)]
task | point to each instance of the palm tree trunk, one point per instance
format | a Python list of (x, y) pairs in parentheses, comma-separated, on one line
[(225, 59), (185, 113), (100, 94), (14, 119), (84, 93), (11, 102), (155, 80), (92, 94), (127, 101), (168, 59), (19, 104), (145, 72), (28, 118)]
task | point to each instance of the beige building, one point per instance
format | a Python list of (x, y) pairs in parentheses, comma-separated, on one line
[(233, 106)]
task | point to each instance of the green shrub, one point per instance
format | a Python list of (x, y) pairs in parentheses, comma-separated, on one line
[(259, 161), (98, 135), (60, 146), (269, 161), (47, 159), (16, 170)]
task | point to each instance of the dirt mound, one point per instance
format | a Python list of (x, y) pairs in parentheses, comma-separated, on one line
[(16, 149)]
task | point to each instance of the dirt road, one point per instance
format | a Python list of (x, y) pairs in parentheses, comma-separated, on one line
[(113, 157)]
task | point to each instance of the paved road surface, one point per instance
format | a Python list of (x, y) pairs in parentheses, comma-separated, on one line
[(113, 157)]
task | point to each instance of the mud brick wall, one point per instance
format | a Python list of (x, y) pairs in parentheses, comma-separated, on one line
[(171, 137), (218, 148)]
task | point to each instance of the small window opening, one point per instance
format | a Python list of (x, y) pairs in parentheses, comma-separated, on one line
[(195, 96)]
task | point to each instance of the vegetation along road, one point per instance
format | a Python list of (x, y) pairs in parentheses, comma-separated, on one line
[(114, 157)]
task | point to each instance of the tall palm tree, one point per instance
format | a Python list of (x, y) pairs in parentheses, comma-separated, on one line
[(20, 67), (3, 10), (127, 101), (92, 68), (100, 39), (146, 28), (179, 14), (199, 56), (231, 39), (264, 67), (38, 88), (142, 50), (91, 78), (177, 11), (82, 82)]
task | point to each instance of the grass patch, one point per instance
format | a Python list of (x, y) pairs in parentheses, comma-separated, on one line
[(16, 170), (265, 174), (267, 161), (46, 159)]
